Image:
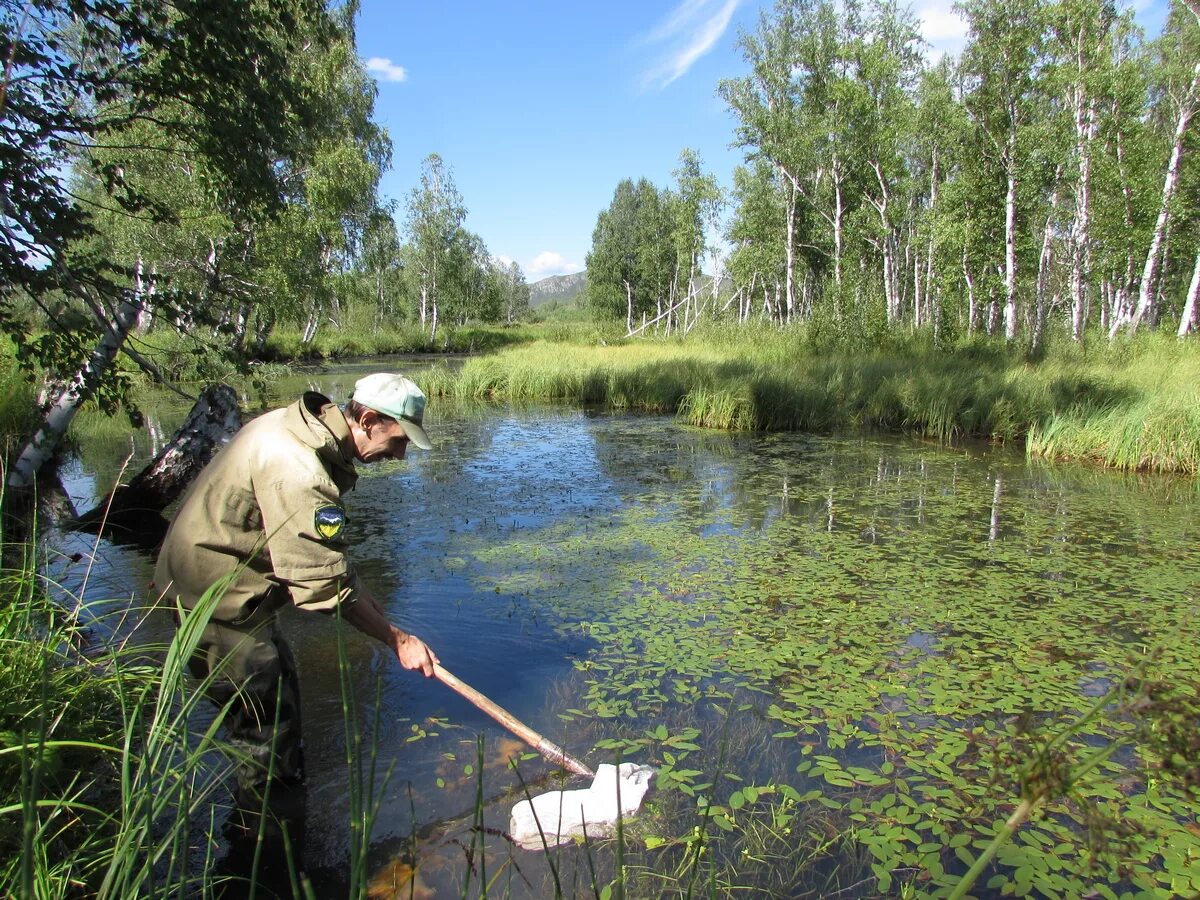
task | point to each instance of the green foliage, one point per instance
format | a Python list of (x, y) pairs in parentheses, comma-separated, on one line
[(977, 192), (16, 399), (96, 751), (95, 74), (632, 260), (877, 671), (112, 783)]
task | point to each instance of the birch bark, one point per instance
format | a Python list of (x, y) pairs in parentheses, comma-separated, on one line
[(1146, 288), (1010, 232), (71, 395), (1187, 321)]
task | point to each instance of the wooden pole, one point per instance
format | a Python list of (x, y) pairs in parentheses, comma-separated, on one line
[(546, 748)]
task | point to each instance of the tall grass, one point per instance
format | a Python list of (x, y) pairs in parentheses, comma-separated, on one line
[(17, 400), (102, 774), (1132, 405), (286, 345), (109, 787)]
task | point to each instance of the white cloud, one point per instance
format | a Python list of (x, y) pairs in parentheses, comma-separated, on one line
[(689, 32), (548, 263), (943, 28), (386, 70), (502, 259)]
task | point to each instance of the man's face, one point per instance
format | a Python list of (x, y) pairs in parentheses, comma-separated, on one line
[(381, 439)]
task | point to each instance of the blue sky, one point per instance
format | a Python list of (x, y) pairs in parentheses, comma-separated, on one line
[(539, 109)]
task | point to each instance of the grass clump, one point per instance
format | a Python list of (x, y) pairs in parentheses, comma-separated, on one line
[(101, 775), (1128, 405)]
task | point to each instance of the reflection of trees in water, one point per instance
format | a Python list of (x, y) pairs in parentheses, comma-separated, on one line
[(887, 491), (578, 488)]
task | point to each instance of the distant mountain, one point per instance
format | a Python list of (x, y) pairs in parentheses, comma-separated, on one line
[(563, 288)]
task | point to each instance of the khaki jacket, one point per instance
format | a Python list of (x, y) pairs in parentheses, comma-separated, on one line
[(267, 511)]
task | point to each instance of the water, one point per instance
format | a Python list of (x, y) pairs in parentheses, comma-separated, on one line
[(858, 601)]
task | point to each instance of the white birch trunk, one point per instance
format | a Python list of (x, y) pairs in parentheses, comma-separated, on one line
[(994, 524), (1106, 300), (240, 323), (71, 396), (1118, 296), (628, 307), (886, 246), (1041, 299), (692, 291), (932, 287), (789, 248), (310, 327), (749, 301), (1081, 262), (837, 227), (1187, 321), (145, 285), (918, 299), (1170, 182), (972, 303), (266, 322), (1010, 234)]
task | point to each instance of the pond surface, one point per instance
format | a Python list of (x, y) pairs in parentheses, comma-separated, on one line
[(835, 649)]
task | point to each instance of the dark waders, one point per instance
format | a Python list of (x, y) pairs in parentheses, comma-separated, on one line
[(255, 674)]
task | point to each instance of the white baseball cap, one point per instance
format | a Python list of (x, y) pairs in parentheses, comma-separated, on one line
[(398, 397)]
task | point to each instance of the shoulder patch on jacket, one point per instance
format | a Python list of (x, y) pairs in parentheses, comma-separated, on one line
[(329, 521)]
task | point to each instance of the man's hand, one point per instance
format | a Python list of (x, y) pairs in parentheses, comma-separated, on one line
[(414, 654), (366, 615)]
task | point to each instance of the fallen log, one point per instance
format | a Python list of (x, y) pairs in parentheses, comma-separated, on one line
[(133, 512)]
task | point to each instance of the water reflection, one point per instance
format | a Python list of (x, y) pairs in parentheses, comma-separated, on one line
[(561, 561)]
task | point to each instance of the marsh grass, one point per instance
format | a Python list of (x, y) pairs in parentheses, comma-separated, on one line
[(367, 339), (1131, 405), (17, 395), (103, 775), (114, 785)]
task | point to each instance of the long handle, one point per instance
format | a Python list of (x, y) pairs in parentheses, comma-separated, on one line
[(548, 749)]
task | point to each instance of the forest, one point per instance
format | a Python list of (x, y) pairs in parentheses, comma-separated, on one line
[(165, 200), (183, 178), (1040, 182)]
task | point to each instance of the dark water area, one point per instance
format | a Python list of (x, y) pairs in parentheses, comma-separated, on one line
[(829, 613)]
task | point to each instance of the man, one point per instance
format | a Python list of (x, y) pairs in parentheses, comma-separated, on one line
[(266, 516)]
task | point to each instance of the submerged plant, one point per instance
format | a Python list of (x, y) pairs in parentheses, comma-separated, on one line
[(1052, 767)]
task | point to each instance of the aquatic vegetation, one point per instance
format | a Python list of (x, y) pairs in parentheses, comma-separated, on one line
[(912, 641), (115, 779), (847, 657)]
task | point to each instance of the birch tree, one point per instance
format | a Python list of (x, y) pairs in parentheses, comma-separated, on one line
[(612, 262), (380, 261), (1083, 52), (1128, 177), (79, 79), (697, 202), (937, 143), (1002, 59), (756, 260), (772, 121), (1180, 92), (888, 61), (435, 214)]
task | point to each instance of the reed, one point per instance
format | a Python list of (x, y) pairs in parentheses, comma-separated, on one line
[(1131, 405), (105, 776), (17, 400)]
